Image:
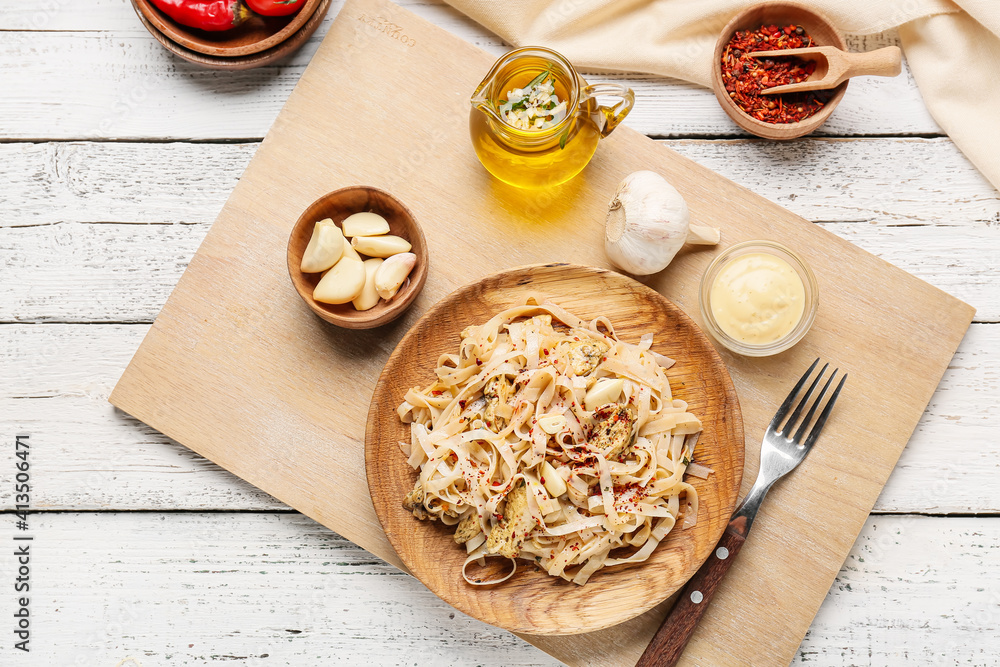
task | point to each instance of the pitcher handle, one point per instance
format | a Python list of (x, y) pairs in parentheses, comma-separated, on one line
[(616, 114)]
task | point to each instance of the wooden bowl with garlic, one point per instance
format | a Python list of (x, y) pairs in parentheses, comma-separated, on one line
[(357, 257)]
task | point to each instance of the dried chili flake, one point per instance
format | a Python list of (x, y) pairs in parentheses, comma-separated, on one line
[(745, 76)]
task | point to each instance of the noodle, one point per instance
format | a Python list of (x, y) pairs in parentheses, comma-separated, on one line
[(547, 438)]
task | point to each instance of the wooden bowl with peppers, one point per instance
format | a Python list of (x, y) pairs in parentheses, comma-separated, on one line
[(227, 28), (738, 78)]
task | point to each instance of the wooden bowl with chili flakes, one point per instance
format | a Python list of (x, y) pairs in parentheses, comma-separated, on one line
[(784, 116)]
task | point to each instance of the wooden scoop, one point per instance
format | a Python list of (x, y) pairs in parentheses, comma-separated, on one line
[(833, 66)]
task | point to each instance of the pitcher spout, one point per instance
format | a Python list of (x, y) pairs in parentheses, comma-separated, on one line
[(481, 98)]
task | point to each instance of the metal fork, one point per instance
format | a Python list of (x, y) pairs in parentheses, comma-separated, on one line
[(779, 454)]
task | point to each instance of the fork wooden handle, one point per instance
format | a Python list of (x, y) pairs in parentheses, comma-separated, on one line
[(667, 645)]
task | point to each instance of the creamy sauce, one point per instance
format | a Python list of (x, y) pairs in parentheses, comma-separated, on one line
[(757, 298)]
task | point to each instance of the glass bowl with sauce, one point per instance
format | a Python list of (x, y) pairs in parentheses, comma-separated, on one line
[(758, 298)]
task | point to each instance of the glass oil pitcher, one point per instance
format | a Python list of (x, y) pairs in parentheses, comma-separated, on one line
[(536, 123)]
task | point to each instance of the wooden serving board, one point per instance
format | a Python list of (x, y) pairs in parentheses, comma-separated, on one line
[(236, 368)]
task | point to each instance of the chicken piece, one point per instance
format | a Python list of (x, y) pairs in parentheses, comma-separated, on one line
[(585, 355), (467, 528), (508, 536), (613, 431), (496, 392), (414, 502)]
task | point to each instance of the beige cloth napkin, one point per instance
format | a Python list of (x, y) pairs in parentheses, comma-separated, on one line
[(953, 48)]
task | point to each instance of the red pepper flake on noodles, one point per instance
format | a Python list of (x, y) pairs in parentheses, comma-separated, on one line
[(745, 76)]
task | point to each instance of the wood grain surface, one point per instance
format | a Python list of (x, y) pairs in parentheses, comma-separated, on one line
[(211, 588), (873, 324), (133, 89), (124, 217), (532, 601), (72, 201)]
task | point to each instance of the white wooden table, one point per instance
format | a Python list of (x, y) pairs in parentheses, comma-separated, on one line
[(115, 157)]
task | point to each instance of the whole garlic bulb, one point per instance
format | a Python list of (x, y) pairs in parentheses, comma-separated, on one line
[(648, 222)]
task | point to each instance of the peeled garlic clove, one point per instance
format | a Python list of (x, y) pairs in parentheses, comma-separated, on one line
[(368, 298), (326, 246), (349, 251), (365, 223), (552, 424), (380, 246), (392, 273), (554, 484), (703, 235), (603, 392), (342, 283)]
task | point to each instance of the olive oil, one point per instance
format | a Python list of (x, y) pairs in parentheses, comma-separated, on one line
[(534, 166), (536, 157)]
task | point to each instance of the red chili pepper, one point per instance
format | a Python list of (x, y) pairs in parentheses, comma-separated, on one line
[(211, 15), (275, 7)]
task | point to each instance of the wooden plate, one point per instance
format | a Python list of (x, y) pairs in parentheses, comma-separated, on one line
[(256, 34), (244, 62), (532, 601)]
